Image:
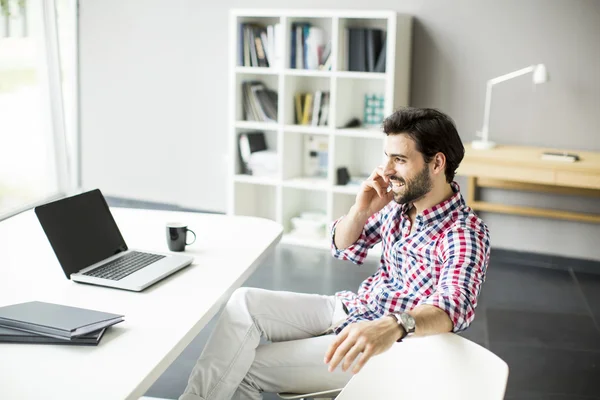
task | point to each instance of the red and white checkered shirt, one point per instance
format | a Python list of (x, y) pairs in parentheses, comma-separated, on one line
[(442, 263)]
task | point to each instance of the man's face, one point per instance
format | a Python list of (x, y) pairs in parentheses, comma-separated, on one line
[(411, 180)]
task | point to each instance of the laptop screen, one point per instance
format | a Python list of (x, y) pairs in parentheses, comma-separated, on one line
[(81, 230)]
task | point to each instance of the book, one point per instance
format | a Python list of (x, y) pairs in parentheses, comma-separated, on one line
[(15, 336), (357, 51), (55, 320), (307, 112), (380, 65)]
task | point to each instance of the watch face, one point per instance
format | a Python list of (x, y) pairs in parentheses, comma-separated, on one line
[(407, 321)]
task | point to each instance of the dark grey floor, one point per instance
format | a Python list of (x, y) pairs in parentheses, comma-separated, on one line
[(541, 314)]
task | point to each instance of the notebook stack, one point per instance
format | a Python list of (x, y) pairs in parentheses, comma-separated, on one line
[(47, 323)]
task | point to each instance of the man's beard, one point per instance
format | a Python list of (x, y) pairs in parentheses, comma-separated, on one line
[(415, 188)]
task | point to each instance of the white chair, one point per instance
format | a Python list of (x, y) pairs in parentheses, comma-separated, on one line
[(327, 394), (446, 366)]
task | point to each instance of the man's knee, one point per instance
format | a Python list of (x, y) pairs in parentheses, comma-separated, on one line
[(242, 298)]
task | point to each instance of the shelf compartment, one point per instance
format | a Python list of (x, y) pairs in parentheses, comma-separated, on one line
[(245, 54), (324, 24), (350, 100), (306, 156), (299, 85), (270, 81), (297, 201), (359, 155), (271, 142), (358, 23)]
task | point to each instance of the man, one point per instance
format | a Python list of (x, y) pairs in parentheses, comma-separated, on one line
[(434, 260)]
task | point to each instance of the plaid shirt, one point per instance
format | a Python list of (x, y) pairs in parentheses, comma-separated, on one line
[(442, 263)]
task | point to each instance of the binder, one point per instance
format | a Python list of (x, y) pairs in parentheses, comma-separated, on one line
[(55, 320), (15, 336)]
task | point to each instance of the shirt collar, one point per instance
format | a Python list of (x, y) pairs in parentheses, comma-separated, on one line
[(440, 210)]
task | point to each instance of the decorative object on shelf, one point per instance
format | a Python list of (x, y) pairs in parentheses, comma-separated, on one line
[(352, 123), (540, 75), (310, 224), (343, 176), (374, 109), (316, 156)]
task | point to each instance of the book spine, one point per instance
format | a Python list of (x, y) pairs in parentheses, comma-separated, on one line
[(37, 329)]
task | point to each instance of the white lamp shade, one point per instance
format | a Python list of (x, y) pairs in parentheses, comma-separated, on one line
[(540, 74)]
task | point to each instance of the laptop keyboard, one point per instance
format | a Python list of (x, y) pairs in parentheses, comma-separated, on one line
[(123, 266)]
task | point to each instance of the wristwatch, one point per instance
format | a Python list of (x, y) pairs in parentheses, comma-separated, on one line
[(406, 322)]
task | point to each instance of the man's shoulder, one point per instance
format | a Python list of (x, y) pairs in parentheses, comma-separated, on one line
[(465, 219)]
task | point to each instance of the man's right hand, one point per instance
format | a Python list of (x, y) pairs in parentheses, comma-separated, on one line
[(373, 194)]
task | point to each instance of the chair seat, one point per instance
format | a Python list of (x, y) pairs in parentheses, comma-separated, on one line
[(326, 394)]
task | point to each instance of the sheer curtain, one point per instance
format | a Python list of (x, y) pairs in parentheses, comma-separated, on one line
[(38, 102)]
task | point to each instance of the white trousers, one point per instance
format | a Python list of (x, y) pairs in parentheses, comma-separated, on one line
[(234, 365)]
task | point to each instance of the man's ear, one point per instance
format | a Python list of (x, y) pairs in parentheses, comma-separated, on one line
[(439, 164)]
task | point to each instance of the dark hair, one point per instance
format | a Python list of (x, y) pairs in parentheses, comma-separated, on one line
[(433, 132)]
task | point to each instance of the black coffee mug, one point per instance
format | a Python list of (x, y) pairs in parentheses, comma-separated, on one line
[(177, 236)]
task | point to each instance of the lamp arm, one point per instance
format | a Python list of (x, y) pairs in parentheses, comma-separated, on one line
[(488, 96), (511, 75)]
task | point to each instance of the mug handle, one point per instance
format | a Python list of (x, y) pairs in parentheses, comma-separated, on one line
[(189, 230)]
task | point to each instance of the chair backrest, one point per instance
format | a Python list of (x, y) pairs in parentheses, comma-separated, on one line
[(436, 367)]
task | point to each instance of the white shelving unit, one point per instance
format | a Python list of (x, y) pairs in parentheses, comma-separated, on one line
[(287, 194)]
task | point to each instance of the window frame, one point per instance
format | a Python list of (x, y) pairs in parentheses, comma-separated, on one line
[(68, 163)]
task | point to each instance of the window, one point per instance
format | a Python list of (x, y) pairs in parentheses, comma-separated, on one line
[(38, 112)]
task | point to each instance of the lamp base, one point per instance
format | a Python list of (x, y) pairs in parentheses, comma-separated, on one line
[(482, 144)]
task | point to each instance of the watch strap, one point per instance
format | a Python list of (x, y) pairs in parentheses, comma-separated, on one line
[(399, 323)]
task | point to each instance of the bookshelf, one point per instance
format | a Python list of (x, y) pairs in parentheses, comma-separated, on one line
[(289, 192)]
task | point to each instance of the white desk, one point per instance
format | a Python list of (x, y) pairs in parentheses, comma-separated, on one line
[(159, 322)]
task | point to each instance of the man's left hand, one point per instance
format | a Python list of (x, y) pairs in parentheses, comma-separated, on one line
[(367, 337)]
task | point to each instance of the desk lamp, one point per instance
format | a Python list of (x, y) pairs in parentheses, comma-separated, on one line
[(540, 75)]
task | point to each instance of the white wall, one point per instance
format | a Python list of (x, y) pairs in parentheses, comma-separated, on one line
[(154, 95)]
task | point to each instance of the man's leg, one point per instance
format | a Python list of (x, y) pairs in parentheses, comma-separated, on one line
[(250, 313), (295, 366)]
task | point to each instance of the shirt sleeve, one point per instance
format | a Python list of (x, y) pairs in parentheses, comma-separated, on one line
[(370, 236), (464, 255)]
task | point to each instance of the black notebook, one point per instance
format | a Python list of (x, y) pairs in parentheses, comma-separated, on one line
[(55, 320), (15, 336)]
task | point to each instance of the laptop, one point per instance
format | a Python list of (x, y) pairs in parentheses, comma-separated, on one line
[(91, 249)]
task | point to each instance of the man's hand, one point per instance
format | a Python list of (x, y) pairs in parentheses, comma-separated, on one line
[(374, 194), (367, 337)]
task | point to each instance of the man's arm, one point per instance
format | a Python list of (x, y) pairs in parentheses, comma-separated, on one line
[(374, 337), (430, 320), (349, 229)]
